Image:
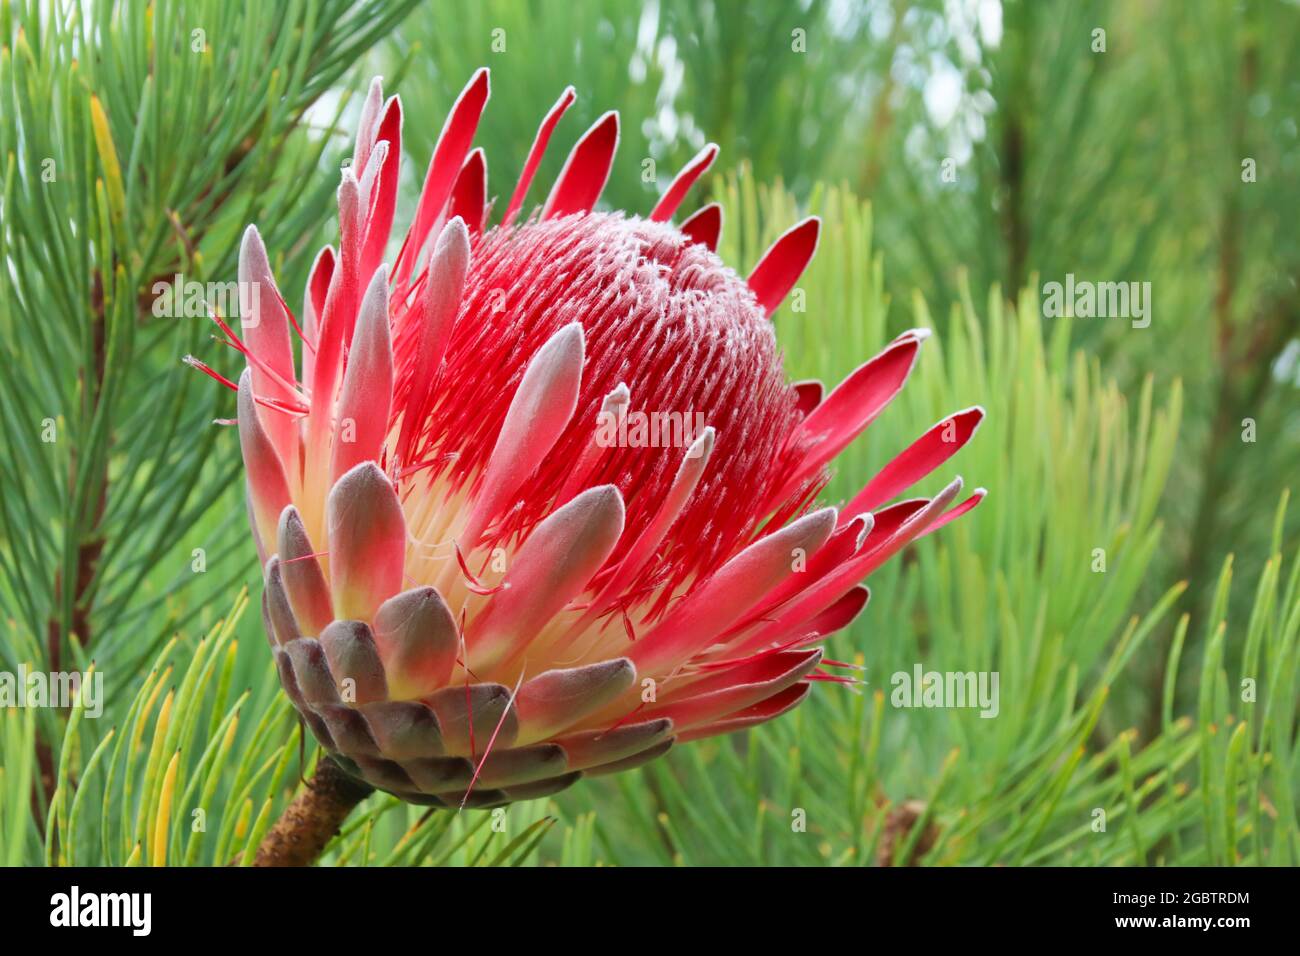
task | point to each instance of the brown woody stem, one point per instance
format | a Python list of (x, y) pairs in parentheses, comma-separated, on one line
[(312, 819)]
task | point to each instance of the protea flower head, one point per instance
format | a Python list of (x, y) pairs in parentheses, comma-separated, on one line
[(479, 584)]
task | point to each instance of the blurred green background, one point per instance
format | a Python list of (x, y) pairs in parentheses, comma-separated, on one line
[(962, 153)]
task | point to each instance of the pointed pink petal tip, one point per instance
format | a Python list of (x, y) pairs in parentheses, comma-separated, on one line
[(418, 640), (553, 566), (681, 185), (722, 599), (542, 406), (304, 581), (367, 541), (535, 154), (620, 395), (558, 699), (366, 396), (704, 226), (586, 171), (783, 264)]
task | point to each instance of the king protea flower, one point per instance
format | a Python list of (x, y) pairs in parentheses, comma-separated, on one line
[(474, 596)]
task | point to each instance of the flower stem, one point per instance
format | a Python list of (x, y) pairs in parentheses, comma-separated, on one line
[(312, 819)]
